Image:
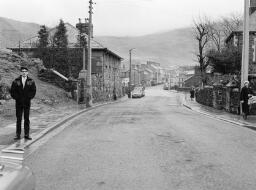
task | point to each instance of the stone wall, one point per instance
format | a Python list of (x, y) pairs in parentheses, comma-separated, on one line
[(106, 75), (220, 97), (205, 96)]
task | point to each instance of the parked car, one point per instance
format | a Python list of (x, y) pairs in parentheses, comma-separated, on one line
[(153, 83), (15, 176), (138, 92), (166, 86)]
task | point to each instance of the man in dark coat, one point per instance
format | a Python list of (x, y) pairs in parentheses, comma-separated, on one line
[(23, 89), (245, 94), (192, 93)]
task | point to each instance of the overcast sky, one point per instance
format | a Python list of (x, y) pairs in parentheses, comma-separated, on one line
[(120, 17)]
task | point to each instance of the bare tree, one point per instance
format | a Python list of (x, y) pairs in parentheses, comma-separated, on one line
[(216, 34), (201, 34), (231, 23)]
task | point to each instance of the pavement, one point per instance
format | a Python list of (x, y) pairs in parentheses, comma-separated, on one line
[(42, 124), (219, 114)]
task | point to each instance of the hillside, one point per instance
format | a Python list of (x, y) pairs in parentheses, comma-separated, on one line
[(9, 70), (48, 97), (12, 31), (175, 47)]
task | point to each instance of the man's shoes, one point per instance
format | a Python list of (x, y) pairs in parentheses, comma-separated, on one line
[(17, 138), (28, 138)]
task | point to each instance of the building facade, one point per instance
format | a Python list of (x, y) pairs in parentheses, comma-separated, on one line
[(235, 39)]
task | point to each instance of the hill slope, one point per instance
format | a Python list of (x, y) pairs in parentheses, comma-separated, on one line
[(175, 47), (12, 31), (9, 70)]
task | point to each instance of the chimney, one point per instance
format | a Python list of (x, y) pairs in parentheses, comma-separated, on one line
[(84, 27)]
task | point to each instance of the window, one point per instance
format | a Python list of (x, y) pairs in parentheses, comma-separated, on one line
[(235, 40), (254, 50)]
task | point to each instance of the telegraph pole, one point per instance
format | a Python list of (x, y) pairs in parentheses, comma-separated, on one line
[(245, 53), (89, 61), (134, 75), (130, 73)]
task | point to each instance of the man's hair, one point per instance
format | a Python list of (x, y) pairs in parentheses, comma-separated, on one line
[(23, 68)]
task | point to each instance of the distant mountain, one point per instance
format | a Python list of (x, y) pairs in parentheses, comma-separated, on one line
[(175, 47), (12, 31)]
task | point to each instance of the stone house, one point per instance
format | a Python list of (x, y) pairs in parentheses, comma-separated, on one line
[(183, 76), (155, 67), (174, 80), (235, 39), (147, 75)]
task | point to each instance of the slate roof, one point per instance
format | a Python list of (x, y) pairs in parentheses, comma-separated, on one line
[(72, 34), (252, 26)]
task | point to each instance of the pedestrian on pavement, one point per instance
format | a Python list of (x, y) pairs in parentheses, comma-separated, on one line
[(245, 94), (192, 93), (114, 94), (23, 89)]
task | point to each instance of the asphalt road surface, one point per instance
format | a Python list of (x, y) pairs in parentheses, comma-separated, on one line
[(152, 143)]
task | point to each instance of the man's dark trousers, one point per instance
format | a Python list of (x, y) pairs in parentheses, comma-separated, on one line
[(23, 97), (22, 109)]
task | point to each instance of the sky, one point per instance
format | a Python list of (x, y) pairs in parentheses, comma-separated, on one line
[(120, 17)]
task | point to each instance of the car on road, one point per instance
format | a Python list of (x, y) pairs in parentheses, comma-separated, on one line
[(138, 92), (166, 86)]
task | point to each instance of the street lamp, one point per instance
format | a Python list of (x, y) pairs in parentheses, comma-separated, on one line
[(245, 54), (130, 73)]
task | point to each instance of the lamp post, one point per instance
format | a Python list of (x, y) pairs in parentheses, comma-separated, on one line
[(245, 54), (130, 73)]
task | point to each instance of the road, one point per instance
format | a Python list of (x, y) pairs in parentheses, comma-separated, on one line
[(150, 143)]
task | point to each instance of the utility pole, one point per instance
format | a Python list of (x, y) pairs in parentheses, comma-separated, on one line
[(130, 73), (245, 53), (134, 81), (89, 61), (139, 74)]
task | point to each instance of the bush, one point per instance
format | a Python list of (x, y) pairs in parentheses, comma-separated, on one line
[(4, 91), (205, 96), (227, 61)]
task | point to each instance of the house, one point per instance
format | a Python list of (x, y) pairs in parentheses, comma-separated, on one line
[(155, 67), (174, 78), (235, 39), (106, 71), (183, 74), (147, 75), (135, 75), (194, 80)]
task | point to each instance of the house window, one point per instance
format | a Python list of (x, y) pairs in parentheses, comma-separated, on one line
[(254, 50), (235, 40)]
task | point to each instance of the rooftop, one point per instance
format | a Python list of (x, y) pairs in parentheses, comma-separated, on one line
[(252, 26), (72, 34)]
